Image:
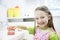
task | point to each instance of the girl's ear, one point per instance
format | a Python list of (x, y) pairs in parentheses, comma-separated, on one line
[(49, 17)]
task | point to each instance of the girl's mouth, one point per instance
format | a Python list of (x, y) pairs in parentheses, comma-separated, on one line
[(41, 23)]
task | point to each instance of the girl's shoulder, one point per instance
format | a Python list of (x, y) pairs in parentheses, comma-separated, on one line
[(53, 35)]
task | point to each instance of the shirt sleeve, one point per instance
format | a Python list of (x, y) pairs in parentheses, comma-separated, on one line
[(31, 30), (53, 36)]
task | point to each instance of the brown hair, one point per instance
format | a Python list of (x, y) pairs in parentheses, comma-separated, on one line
[(45, 9)]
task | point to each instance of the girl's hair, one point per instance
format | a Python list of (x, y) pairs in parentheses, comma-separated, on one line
[(45, 9)]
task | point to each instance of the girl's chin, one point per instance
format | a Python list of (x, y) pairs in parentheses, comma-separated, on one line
[(42, 26)]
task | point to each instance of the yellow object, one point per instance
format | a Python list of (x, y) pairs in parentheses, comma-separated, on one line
[(10, 13), (13, 12), (16, 12)]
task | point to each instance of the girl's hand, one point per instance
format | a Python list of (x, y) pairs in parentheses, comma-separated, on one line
[(19, 28), (11, 28)]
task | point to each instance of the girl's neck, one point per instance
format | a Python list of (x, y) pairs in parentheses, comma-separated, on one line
[(45, 28)]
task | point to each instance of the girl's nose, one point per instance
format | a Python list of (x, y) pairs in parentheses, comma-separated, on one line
[(39, 20)]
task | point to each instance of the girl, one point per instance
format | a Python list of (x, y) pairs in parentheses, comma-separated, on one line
[(44, 28)]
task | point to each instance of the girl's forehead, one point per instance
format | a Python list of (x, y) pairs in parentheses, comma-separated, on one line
[(40, 13)]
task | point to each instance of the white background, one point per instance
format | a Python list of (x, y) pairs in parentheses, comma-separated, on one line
[(27, 8)]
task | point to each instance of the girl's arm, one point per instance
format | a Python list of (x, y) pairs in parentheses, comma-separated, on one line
[(22, 27), (19, 28), (53, 37), (30, 29)]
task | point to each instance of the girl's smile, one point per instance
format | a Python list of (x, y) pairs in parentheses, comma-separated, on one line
[(41, 23)]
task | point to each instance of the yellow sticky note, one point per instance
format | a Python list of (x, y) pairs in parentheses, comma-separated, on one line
[(10, 13), (16, 12)]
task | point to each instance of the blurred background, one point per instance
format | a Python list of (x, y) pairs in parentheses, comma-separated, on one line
[(21, 12)]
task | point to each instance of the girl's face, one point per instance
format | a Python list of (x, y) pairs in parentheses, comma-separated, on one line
[(41, 18)]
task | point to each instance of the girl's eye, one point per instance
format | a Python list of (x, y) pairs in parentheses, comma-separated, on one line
[(37, 18), (42, 17)]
